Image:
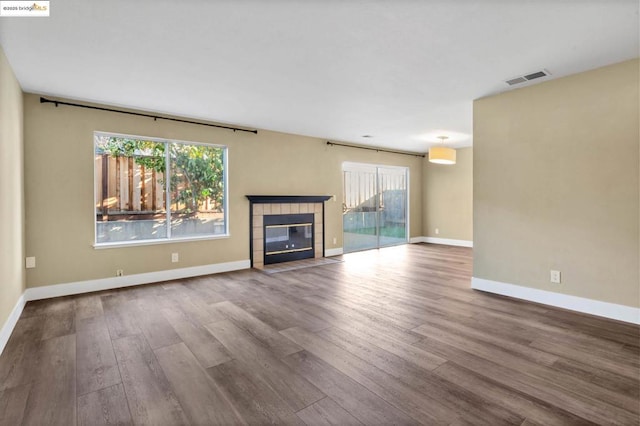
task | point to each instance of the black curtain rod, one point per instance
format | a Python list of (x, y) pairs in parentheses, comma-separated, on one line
[(376, 149), (155, 117)]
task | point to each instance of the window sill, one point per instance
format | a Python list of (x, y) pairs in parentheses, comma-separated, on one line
[(122, 244)]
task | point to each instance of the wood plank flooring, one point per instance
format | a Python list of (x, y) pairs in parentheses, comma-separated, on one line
[(390, 336)]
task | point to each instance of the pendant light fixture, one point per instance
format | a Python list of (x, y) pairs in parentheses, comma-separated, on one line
[(441, 154)]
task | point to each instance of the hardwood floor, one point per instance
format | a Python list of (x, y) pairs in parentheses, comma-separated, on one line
[(393, 336)]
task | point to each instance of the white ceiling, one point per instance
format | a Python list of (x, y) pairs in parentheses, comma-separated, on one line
[(403, 71)]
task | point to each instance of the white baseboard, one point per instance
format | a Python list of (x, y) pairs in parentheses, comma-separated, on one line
[(68, 289), (444, 241), (333, 252), (46, 292), (573, 303), (10, 323)]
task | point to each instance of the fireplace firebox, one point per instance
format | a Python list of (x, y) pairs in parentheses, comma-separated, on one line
[(288, 237), (285, 227)]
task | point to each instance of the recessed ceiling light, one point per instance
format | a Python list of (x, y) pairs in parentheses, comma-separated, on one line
[(367, 136)]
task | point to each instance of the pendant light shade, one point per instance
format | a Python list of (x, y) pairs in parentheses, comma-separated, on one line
[(442, 154)]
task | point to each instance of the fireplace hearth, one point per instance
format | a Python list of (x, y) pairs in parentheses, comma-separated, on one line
[(285, 228)]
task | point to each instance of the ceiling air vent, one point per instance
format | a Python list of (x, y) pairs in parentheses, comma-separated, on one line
[(516, 80), (535, 75), (528, 77)]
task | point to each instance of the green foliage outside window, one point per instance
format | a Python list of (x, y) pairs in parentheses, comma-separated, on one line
[(198, 170)]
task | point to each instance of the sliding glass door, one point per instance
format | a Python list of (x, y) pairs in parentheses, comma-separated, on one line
[(392, 212), (375, 206)]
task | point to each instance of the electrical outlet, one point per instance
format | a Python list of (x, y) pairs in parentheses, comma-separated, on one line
[(30, 262), (119, 272), (175, 257), (335, 241), (555, 277), (437, 231)]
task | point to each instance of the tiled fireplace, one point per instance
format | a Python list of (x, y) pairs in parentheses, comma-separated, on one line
[(286, 227)]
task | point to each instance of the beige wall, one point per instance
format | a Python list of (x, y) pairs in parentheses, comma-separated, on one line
[(59, 189), (448, 198), (556, 175), (12, 277)]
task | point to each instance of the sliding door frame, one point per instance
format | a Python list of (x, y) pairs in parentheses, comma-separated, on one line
[(378, 195)]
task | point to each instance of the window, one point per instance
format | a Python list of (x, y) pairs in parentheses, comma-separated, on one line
[(151, 189)]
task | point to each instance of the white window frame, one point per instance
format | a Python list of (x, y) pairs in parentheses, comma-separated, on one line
[(167, 239)]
